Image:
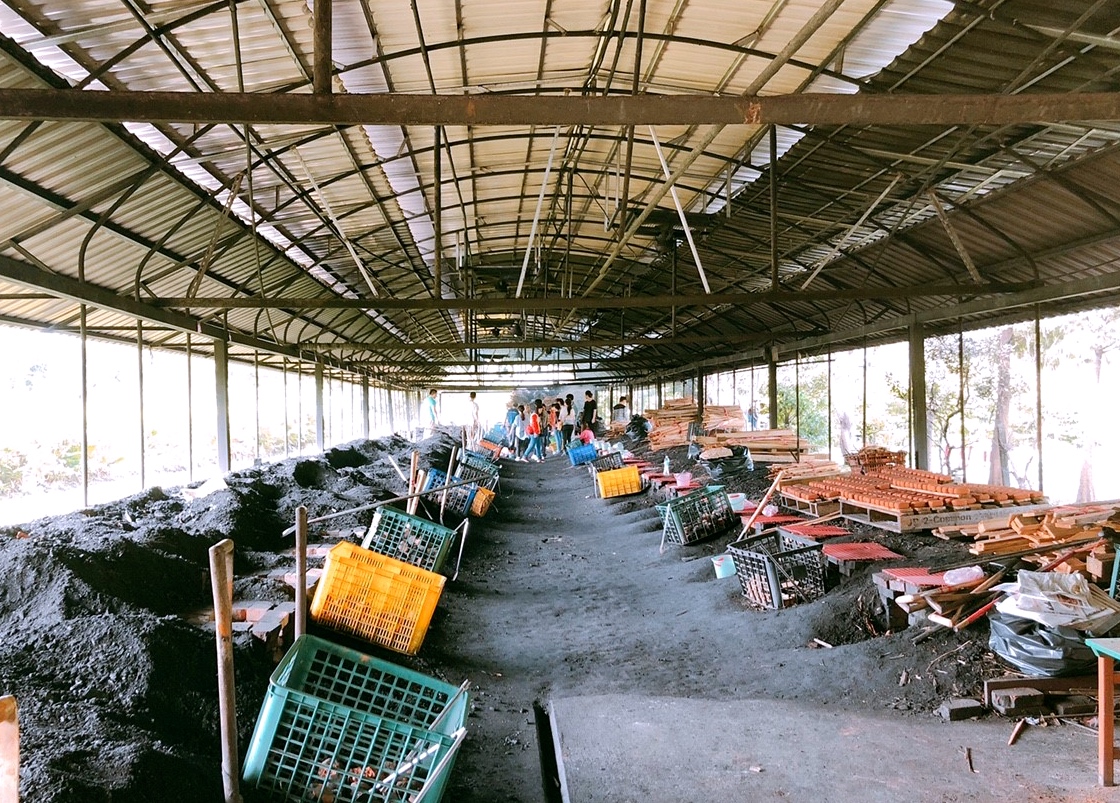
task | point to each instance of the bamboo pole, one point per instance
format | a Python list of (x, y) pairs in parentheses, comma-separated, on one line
[(9, 750), (221, 580), (301, 571)]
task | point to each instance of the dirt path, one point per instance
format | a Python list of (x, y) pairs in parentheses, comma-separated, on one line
[(562, 595)]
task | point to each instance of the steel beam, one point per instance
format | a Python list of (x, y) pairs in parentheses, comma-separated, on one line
[(458, 110), (597, 302), (604, 343)]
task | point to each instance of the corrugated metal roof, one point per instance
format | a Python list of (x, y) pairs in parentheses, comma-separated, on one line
[(349, 211)]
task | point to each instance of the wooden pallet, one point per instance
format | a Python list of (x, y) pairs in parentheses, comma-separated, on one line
[(908, 521), (816, 510)]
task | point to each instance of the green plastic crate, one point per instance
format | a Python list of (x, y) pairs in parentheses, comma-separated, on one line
[(339, 725), (352, 678), (409, 539)]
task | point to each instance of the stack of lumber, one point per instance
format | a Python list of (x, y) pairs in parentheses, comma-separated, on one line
[(1047, 532), (903, 490), (766, 445), (670, 423), (724, 419), (875, 457), (806, 471)]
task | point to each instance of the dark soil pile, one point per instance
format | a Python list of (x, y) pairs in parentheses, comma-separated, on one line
[(559, 592)]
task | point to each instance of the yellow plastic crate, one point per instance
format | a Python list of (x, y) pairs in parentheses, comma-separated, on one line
[(619, 482), (377, 598), (482, 499)]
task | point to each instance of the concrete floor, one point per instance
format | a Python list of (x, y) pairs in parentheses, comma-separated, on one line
[(631, 749)]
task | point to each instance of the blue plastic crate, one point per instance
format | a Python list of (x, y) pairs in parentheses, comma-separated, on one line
[(340, 725), (459, 498), (584, 453)]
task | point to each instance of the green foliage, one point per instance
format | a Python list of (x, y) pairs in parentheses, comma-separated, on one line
[(808, 415), (12, 468)]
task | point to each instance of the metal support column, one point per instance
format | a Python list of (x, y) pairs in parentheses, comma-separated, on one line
[(221, 404), (320, 412), (772, 390), (85, 405), (918, 411), (365, 407), (437, 212), (701, 393), (773, 207), (140, 392)]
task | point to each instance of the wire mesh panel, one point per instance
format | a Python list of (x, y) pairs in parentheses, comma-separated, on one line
[(704, 513), (777, 570), (410, 539)]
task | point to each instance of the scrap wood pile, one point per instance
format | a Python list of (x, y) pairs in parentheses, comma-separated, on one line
[(1058, 542), (1056, 528), (955, 606), (670, 423), (902, 490), (766, 445), (875, 457), (723, 418), (806, 471)]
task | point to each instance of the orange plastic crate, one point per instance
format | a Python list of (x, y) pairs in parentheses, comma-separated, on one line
[(619, 482), (481, 502), (377, 598)]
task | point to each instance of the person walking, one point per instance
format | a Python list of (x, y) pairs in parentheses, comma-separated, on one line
[(555, 425), (535, 431), (475, 433), (511, 430), (590, 413), (568, 421), (522, 435), (430, 413)]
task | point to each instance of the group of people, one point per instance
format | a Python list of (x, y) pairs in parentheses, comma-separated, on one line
[(530, 428)]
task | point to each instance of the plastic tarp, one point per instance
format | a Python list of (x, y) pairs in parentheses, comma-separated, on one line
[(1036, 649)]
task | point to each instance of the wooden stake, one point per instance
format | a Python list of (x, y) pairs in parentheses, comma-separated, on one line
[(301, 571), (414, 466), (1022, 723), (221, 581), (414, 502), (9, 750), (762, 504)]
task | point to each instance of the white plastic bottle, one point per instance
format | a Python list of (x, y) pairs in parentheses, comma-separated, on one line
[(665, 467)]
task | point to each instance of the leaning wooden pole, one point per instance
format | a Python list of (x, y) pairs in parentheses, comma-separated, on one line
[(221, 581), (301, 570), (9, 750)]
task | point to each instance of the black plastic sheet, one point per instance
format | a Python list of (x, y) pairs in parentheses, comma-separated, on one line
[(1035, 649)]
